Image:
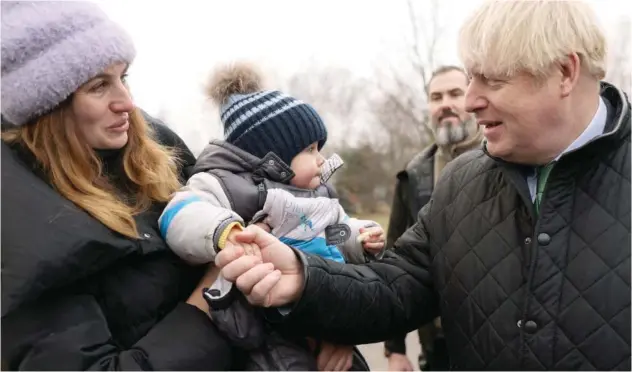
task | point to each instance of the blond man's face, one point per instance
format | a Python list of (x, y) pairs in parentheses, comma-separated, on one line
[(520, 116)]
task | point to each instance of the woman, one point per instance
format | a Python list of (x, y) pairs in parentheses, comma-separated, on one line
[(87, 280)]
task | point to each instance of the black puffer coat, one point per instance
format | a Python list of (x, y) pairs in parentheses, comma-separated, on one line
[(261, 347), (77, 296)]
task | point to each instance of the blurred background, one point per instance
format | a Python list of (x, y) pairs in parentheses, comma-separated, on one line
[(363, 64)]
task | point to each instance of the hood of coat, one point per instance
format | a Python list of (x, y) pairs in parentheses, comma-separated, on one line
[(220, 155)]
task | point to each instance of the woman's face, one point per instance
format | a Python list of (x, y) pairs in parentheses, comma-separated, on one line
[(100, 109)]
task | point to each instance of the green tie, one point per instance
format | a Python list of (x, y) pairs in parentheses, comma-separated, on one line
[(543, 175)]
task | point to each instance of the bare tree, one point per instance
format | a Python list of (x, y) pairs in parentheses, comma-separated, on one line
[(335, 92), (423, 54), (393, 105), (397, 103), (400, 105), (331, 88), (619, 69)]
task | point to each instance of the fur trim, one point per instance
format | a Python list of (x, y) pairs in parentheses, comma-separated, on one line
[(235, 78)]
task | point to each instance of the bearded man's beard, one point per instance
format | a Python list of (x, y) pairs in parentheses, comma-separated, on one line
[(449, 134)]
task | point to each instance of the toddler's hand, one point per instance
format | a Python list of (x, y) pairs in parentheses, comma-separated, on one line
[(250, 249), (372, 239)]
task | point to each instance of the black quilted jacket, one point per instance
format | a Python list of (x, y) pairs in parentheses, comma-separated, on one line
[(513, 291)]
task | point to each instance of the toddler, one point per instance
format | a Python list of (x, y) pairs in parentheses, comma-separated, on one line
[(267, 170)]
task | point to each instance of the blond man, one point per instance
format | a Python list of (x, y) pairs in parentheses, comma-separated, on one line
[(524, 247)]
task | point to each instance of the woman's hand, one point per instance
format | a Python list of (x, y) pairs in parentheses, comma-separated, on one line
[(196, 299), (334, 357)]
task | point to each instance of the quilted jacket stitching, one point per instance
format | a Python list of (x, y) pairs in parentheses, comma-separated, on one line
[(490, 229), (585, 301), (580, 292), (462, 182), (473, 301)]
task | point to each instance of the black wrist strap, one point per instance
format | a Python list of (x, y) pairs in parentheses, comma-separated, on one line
[(220, 295)]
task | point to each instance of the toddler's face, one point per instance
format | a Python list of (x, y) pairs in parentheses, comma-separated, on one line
[(306, 167)]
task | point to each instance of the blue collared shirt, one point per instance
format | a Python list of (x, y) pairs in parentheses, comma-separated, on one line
[(594, 129)]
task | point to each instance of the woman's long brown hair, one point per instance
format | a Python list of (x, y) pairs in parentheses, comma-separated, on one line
[(76, 172)]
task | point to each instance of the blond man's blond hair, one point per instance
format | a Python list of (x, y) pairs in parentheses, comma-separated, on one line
[(504, 37)]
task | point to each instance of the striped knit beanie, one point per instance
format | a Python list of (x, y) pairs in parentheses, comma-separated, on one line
[(262, 121)]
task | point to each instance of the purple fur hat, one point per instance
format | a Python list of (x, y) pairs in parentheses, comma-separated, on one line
[(51, 48)]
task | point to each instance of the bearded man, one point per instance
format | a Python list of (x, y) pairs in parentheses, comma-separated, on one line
[(455, 132)]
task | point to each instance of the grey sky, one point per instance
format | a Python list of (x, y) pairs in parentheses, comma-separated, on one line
[(179, 42)]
